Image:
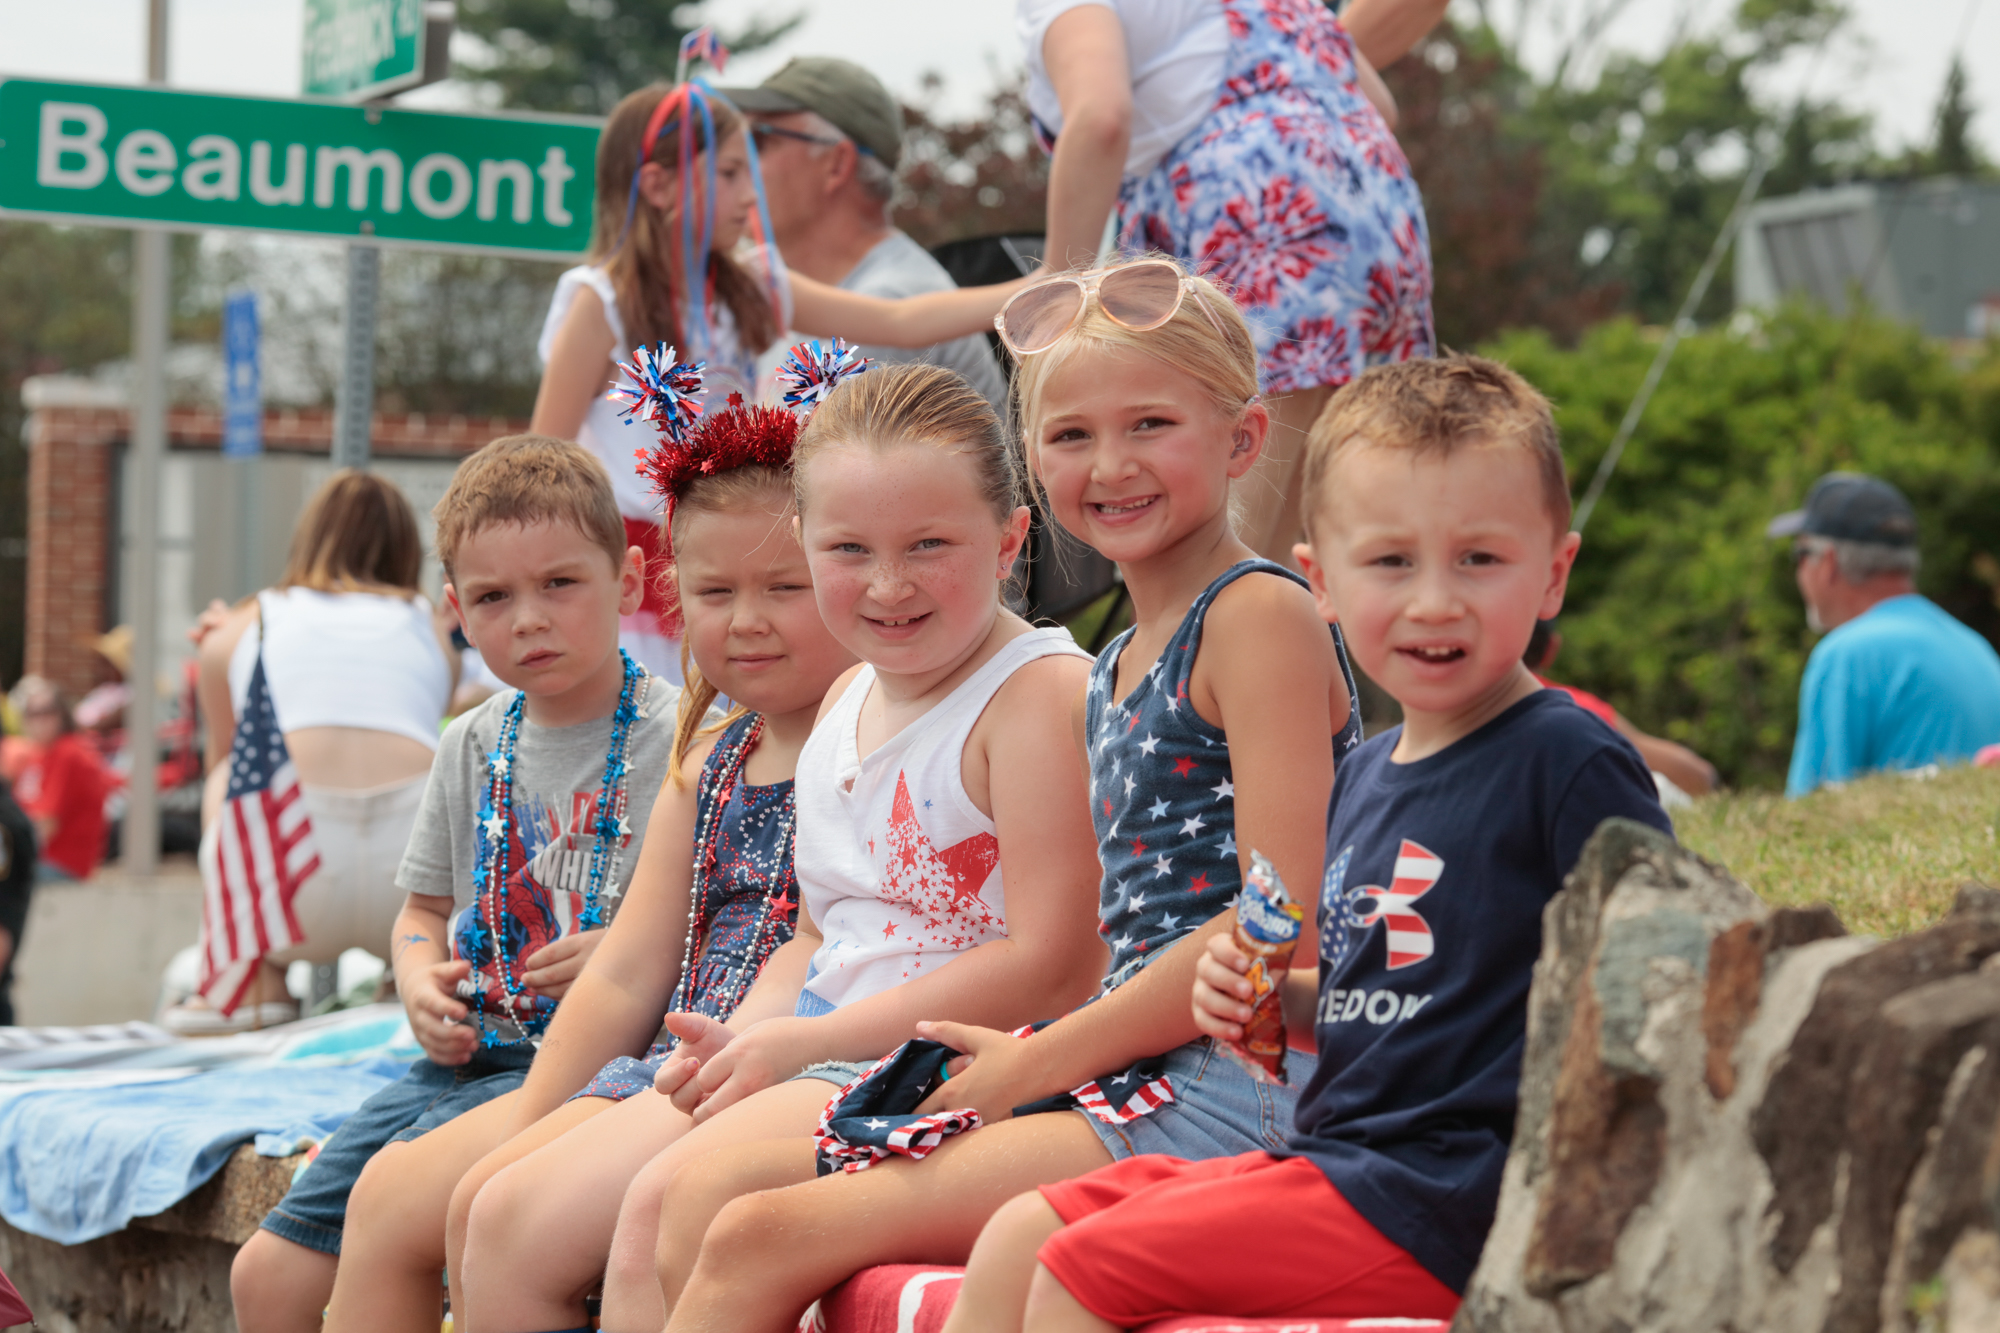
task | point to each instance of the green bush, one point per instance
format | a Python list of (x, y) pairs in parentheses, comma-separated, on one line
[(1681, 612)]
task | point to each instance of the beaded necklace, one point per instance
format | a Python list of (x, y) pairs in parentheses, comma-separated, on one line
[(728, 773), (528, 1014)]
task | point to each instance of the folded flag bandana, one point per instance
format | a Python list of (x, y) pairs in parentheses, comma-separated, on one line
[(875, 1117)]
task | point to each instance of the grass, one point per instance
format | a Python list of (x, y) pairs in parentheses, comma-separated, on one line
[(1888, 852)]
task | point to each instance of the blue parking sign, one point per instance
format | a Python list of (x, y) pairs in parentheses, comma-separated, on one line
[(243, 387)]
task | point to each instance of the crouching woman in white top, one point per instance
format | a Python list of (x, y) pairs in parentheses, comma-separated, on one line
[(359, 672)]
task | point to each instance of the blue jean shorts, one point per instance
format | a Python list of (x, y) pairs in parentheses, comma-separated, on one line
[(1218, 1110), (314, 1210)]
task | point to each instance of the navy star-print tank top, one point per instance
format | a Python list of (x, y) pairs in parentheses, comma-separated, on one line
[(1161, 795)]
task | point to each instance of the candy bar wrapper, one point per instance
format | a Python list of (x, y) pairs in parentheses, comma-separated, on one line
[(1268, 925)]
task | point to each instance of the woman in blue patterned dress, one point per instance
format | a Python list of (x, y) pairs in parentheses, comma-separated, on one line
[(1250, 139)]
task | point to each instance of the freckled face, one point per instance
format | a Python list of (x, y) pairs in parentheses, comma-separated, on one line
[(753, 627), (906, 555)]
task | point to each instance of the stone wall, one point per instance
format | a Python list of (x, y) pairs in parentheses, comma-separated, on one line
[(1734, 1118), (165, 1274)]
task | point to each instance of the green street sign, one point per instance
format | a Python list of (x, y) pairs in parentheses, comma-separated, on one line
[(153, 157), (362, 49)]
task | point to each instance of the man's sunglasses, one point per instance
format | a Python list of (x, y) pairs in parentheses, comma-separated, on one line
[(763, 134)]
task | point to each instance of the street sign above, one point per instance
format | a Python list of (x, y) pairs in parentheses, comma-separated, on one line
[(362, 49), (154, 157)]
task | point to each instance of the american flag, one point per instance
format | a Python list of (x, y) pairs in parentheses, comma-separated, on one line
[(264, 852)]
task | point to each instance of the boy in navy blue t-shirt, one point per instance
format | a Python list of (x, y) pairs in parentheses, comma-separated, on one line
[(1438, 515)]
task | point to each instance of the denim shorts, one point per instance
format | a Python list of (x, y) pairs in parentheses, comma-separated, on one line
[(1218, 1110), (314, 1210)]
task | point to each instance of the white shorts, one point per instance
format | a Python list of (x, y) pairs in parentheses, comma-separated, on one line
[(351, 901)]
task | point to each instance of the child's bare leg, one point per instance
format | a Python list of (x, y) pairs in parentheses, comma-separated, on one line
[(632, 1301), (994, 1297), (392, 1248), (546, 1130), (279, 1286), (709, 1183), (768, 1256), (537, 1232), (1051, 1309)]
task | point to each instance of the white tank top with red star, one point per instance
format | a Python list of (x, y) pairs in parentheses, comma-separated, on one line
[(896, 865)]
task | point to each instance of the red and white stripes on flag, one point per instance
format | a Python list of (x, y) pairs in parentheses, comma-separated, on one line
[(1410, 939), (264, 850)]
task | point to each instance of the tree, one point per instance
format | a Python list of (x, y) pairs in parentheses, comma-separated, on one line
[(1954, 153), (581, 56), (979, 177)]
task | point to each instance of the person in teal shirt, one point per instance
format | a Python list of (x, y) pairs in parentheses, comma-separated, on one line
[(1897, 683)]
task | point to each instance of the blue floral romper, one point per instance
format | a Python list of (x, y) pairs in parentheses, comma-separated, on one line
[(1164, 805), (1295, 196), (743, 920)]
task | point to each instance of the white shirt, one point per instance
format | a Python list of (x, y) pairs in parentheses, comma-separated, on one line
[(615, 441), (1177, 49), (896, 865), (346, 659)]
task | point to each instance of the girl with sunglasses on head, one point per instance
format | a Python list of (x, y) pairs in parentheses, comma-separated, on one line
[(1209, 730), (677, 198), (1253, 137)]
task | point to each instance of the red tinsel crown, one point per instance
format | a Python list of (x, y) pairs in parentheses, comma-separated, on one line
[(740, 436)]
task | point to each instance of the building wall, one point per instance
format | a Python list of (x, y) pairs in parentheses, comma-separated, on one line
[(225, 524)]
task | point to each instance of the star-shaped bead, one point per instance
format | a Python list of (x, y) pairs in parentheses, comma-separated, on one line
[(495, 825), (498, 763), (1158, 809)]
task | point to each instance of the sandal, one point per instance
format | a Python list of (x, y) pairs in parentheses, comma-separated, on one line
[(196, 1017)]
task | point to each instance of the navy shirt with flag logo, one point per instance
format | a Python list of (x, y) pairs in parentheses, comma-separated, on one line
[(1430, 921), (1162, 793)]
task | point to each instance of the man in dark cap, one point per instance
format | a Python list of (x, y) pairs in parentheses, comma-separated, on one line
[(1897, 683), (829, 138)]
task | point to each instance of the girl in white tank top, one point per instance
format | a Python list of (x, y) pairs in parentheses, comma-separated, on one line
[(947, 868)]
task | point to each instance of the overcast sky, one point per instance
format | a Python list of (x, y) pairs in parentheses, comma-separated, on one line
[(1894, 69)]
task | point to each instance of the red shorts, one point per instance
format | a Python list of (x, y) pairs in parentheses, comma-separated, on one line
[(1254, 1236)]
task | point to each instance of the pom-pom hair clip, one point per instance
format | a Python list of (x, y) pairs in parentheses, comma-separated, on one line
[(693, 444), (813, 368)]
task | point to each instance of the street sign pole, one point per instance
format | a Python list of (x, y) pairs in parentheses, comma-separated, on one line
[(150, 272), (243, 427), (354, 401)]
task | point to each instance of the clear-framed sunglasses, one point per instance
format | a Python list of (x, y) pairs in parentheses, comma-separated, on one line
[(1138, 297)]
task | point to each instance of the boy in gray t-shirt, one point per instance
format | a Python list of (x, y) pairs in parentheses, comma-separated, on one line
[(528, 835)]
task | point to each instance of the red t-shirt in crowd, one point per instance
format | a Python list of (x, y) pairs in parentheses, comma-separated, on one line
[(62, 785), (1587, 701)]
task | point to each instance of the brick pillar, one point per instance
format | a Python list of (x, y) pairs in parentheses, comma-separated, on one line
[(70, 526)]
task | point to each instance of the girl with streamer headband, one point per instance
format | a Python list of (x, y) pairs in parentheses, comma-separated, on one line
[(713, 896), (944, 758), (680, 255)]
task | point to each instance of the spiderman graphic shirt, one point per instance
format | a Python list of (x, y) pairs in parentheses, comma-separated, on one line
[(1430, 920), (549, 836)]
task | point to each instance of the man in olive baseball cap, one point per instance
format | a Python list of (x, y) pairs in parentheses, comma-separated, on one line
[(1897, 683), (840, 92), (829, 137)]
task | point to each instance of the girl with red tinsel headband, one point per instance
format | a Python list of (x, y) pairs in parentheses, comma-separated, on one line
[(680, 255)]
